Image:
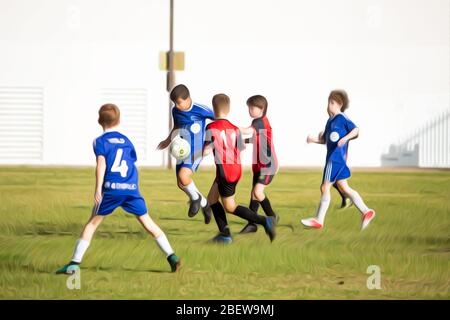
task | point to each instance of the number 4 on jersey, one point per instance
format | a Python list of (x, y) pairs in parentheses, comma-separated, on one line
[(120, 165)]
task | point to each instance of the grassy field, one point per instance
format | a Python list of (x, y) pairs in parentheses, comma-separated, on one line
[(43, 210)]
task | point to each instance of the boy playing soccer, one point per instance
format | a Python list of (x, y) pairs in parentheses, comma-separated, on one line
[(265, 163), (225, 140), (189, 122), (116, 186), (339, 130)]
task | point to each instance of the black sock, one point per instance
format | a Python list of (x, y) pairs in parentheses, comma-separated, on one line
[(265, 204), (247, 214), (73, 262), (254, 205), (220, 217)]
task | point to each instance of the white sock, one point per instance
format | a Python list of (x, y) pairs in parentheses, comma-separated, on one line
[(164, 244), (80, 249), (323, 207), (358, 202), (193, 193)]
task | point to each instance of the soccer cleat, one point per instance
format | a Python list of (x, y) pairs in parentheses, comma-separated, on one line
[(312, 223), (222, 238), (174, 262), (269, 227), (249, 228), (68, 269), (346, 203), (277, 218), (207, 213), (194, 207), (366, 218)]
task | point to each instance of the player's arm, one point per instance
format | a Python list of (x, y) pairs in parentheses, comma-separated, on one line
[(241, 141), (99, 178), (320, 138), (351, 135), (247, 133), (207, 149), (207, 144), (165, 143)]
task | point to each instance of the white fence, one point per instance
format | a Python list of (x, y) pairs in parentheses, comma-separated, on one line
[(429, 146), (21, 124)]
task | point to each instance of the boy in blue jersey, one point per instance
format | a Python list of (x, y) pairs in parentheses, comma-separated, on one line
[(339, 130), (116, 186), (189, 119)]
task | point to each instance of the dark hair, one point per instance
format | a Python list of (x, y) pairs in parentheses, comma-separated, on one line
[(108, 115), (258, 101), (341, 97), (179, 91), (221, 103)]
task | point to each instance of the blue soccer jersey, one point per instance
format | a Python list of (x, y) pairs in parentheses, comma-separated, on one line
[(120, 186), (336, 163), (336, 128), (192, 128), (121, 175)]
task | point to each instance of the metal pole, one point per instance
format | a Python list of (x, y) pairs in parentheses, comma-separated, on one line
[(170, 76)]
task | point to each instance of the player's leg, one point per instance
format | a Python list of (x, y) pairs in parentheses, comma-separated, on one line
[(161, 240), (260, 198), (259, 194), (254, 206), (321, 212), (254, 203), (136, 205), (185, 183), (82, 244), (367, 214), (247, 214), (224, 235), (345, 201)]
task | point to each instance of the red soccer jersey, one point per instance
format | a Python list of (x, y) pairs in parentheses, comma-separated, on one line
[(227, 145), (264, 157)]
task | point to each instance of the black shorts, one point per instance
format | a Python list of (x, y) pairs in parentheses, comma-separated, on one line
[(261, 178), (226, 189)]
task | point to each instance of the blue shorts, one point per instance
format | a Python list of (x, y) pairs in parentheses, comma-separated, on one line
[(134, 204), (335, 171), (188, 163)]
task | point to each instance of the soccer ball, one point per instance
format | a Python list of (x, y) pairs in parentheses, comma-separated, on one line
[(180, 148)]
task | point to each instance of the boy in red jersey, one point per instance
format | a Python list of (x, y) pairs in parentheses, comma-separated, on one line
[(265, 163), (226, 142)]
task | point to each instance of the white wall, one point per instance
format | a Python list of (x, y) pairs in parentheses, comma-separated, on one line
[(391, 56)]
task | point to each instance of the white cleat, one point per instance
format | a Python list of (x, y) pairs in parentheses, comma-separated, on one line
[(366, 218), (312, 223)]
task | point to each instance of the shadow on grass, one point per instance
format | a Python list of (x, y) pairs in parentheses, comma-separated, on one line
[(177, 219), (146, 270)]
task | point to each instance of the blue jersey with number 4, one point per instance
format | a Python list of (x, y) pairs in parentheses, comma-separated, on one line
[(336, 128), (121, 175)]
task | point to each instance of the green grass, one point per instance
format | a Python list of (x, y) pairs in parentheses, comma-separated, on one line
[(43, 210)]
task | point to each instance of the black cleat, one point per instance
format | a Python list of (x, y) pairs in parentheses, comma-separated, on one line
[(194, 207), (222, 239), (249, 228), (207, 213), (277, 218), (269, 226), (174, 262)]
